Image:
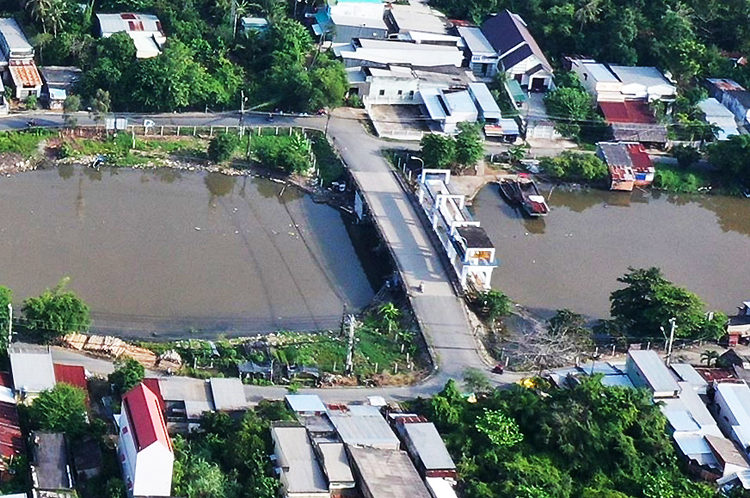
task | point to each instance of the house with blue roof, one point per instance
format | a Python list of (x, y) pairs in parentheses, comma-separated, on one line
[(339, 21)]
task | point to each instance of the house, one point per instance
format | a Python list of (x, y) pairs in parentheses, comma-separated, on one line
[(13, 42), (144, 449), (448, 108), (629, 164), (50, 472), (465, 242), (633, 121), (19, 61), (732, 96), (228, 394), (32, 369), (299, 471), (339, 21), (722, 118), (145, 30), (645, 369), (333, 459), (58, 82), (739, 325), (732, 411), (425, 447), (414, 17), (687, 373), (249, 24), (647, 83), (367, 52), (11, 438), (482, 57), (597, 79), (362, 425), (384, 473), (489, 112), (520, 56), (731, 459), (75, 375), (305, 404)]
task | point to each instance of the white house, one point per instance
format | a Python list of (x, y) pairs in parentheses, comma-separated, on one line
[(341, 20), (520, 55), (483, 60), (465, 242), (144, 450), (732, 411), (647, 83), (449, 108), (598, 80), (145, 30), (19, 61), (719, 116), (365, 52)]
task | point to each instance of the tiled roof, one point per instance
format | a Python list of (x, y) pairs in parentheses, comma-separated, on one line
[(146, 418), (507, 30), (24, 73), (630, 111), (11, 439)]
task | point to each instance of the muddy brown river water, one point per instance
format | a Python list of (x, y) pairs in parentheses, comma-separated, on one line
[(163, 253), (572, 258)]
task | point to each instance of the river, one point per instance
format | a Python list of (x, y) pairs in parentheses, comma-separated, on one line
[(573, 257), (164, 253)]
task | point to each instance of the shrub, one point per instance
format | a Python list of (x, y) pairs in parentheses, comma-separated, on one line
[(222, 147)]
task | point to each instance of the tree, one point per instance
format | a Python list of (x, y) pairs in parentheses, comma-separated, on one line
[(499, 428), (126, 376), (222, 147), (469, 144), (71, 106), (686, 156), (476, 381), (648, 301), (390, 314), (573, 166), (569, 106), (60, 409), (709, 356), (732, 159), (100, 104), (566, 323), (56, 312), (49, 13), (6, 298), (491, 305), (438, 151)]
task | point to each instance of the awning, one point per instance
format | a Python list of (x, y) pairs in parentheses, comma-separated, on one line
[(515, 91)]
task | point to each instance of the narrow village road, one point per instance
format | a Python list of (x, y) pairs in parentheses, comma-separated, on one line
[(440, 312)]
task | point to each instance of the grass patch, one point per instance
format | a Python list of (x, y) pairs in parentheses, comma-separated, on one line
[(684, 181), (122, 151), (329, 163), (25, 143)]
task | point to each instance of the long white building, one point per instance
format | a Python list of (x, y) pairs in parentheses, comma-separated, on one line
[(467, 245)]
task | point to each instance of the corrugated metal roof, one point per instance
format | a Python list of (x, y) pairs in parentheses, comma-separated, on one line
[(143, 410), (688, 374), (228, 394), (647, 76), (32, 369), (630, 111), (485, 101), (476, 41), (299, 465), (429, 446), (14, 37), (129, 22), (75, 375), (305, 403), (335, 463), (364, 426), (387, 473), (657, 375)]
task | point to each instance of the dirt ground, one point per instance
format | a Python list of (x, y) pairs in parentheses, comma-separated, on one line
[(395, 120)]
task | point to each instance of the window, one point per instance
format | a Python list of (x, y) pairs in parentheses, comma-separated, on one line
[(400, 92), (381, 93), (585, 76), (124, 430), (411, 94)]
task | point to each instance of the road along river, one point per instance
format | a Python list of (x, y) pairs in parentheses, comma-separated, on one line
[(572, 258), (163, 252)]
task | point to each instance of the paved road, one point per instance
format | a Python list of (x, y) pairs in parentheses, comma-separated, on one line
[(440, 312)]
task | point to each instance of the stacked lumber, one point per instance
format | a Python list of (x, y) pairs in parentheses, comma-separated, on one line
[(109, 346)]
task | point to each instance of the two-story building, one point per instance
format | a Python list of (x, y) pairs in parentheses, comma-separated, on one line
[(145, 450)]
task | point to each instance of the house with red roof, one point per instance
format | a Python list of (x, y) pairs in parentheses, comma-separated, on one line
[(628, 162), (144, 450), (75, 375)]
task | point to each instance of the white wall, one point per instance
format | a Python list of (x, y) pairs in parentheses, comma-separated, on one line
[(153, 472), (524, 66)]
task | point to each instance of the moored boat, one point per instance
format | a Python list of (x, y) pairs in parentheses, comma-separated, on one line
[(524, 193)]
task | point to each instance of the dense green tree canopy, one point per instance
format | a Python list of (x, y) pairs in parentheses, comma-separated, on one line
[(126, 376), (732, 159), (60, 409), (576, 167), (438, 151), (648, 301), (56, 312), (6, 298)]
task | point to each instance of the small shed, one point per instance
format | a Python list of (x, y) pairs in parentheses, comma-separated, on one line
[(58, 84), (228, 394), (305, 404)]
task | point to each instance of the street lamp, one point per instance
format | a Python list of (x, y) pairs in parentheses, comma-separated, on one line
[(418, 159)]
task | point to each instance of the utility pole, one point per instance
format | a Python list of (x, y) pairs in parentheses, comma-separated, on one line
[(10, 323), (672, 322), (350, 351)]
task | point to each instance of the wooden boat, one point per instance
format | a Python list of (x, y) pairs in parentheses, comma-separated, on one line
[(524, 193)]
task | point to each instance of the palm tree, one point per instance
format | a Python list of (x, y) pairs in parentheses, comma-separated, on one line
[(709, 356), (589, 12), (49, 13), (390, 314)]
